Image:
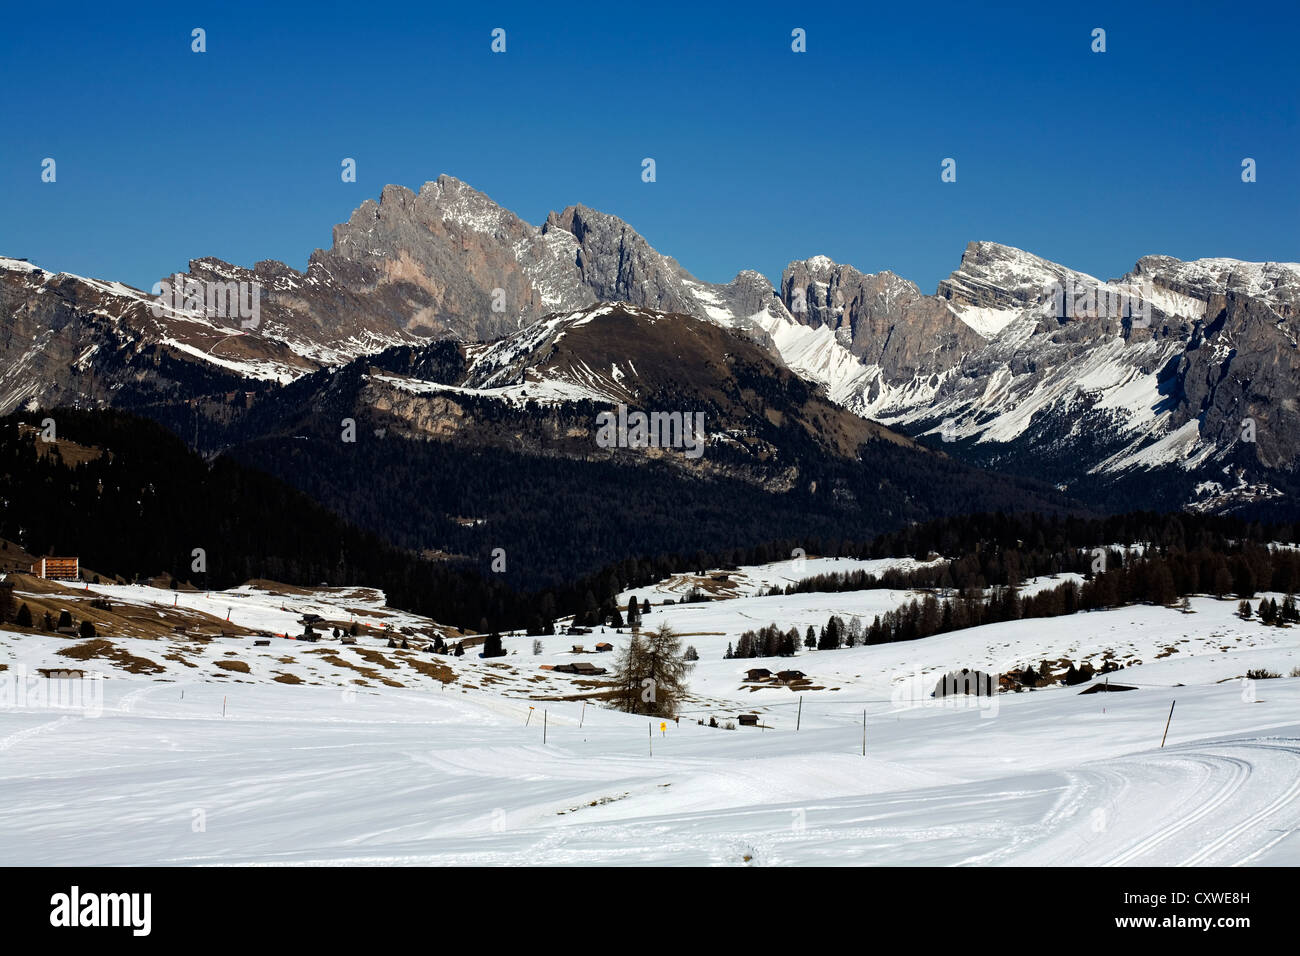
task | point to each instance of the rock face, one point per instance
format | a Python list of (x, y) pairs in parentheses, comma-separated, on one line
[(448, 262), (883, 320), (1185, 370)]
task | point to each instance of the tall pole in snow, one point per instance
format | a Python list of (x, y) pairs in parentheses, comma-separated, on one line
[(1167, 722), (544, 726), (799, 716)]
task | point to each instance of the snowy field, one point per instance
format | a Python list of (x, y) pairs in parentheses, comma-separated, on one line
[(329, 754)]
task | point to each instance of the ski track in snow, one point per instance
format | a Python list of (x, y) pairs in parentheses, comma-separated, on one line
[(331, 773)]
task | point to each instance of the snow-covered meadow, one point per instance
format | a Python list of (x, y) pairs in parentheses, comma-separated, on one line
[(369, 756)]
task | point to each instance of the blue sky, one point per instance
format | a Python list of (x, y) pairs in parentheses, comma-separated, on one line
[(763, 155)]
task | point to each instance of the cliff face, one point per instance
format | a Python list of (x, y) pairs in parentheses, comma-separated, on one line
[(1188, 369)]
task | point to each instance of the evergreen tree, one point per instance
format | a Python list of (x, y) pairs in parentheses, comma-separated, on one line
[(650, 674), (24, 617)]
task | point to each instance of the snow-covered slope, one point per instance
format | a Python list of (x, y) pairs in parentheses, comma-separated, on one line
[(503, 762), (1023, 364)]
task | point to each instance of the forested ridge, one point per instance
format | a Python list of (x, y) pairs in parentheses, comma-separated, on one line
[(147, 502)]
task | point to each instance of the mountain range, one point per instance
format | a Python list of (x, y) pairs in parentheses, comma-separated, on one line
[(439, 313)]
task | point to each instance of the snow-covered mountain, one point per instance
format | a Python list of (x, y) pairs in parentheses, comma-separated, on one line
[(446, 261), (1185, 369)]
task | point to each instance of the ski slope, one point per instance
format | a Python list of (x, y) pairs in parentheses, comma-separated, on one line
[(308, 775), (367, 757)]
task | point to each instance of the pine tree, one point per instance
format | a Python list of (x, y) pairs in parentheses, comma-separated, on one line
[(650, 674), (24, 617), (1243, 610)]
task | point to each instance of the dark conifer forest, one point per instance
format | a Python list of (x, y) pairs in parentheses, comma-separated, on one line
[(139, 503)]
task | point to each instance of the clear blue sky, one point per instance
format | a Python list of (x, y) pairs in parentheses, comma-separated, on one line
[(763, 155)]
